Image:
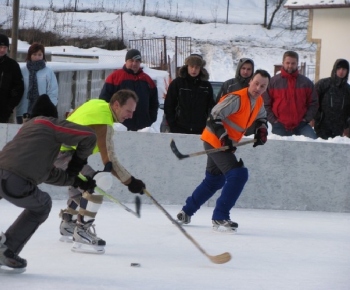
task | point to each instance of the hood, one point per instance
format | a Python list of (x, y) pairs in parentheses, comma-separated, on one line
[(344, 63), (241, 62)]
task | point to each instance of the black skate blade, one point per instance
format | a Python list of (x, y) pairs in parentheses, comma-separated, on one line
[(4, 270)]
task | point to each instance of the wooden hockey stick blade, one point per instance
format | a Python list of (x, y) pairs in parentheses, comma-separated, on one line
[(209, 151), (219, 259), (112, 198)]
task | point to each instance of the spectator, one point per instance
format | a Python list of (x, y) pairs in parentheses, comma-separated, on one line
[(11, 81), (132, 77), (38, 80), (189, 98), (333, 114), (227, 123), (290, 100), (244, 73)]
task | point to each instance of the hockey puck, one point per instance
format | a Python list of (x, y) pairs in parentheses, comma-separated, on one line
[(135, 265)]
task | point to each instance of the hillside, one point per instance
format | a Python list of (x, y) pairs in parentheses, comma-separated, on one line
[(222, 45)]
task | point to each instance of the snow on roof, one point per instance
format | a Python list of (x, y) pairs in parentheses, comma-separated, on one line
[(306, 4)]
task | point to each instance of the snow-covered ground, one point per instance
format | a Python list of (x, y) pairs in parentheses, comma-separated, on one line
[(272, 250), (222, 45)]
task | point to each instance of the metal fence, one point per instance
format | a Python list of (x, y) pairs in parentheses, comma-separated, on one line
[(153, 51), (155, 55)]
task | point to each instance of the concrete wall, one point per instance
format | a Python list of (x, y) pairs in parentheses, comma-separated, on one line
[(283, 174)]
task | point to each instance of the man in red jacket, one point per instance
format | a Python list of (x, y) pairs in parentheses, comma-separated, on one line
[(291, 101), (132, 77)]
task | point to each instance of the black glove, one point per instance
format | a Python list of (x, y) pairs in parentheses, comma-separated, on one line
[(260, 137), (75, 165), (87, 185), (226, 141), (136, 185)]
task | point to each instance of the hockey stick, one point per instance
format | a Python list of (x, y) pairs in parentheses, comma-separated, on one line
[(182, 156), (219, 259), (112, 198)]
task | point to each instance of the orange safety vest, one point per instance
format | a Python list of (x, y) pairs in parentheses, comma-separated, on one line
[(237, 123)]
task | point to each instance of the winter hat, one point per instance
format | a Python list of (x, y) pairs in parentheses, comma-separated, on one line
[(44, 107), (195, 59), (133, 54), (4, 40), (343, 64)]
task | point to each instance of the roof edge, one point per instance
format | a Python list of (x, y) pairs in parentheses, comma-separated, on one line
[(305, 6)]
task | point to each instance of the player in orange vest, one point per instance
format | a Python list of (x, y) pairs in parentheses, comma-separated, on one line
[(227, 123)]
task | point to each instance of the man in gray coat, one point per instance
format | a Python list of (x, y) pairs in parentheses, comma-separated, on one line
[(27, 161)]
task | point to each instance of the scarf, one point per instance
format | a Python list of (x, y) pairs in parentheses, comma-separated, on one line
[(33, 92)]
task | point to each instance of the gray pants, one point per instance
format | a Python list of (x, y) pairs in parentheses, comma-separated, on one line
[(36, 203), (220, 162)]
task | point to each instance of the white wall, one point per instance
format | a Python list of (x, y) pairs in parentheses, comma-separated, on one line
[(290, 175), (332, 27)]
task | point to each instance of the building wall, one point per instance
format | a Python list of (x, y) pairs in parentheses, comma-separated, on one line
[(331, 26), (283, 175)]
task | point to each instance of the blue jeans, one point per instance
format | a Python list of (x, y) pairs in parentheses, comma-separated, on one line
[(302, 129)]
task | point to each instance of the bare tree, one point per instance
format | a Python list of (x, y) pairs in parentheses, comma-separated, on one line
[(278, 6), (265, 14)]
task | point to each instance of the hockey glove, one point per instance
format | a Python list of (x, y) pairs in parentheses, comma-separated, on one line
[(87, 185), (226, 141), (75, 165), (260, 137), (136, 185)]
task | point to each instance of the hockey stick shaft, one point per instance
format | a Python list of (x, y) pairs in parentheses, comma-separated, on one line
[(219, 259), (112, 198), (209, 151)]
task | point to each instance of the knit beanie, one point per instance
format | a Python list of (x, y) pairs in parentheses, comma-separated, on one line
[(4, 40), (195, 59), (133, 54), (44, 107)]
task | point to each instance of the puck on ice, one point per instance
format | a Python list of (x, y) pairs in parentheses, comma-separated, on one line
[(135, 265)]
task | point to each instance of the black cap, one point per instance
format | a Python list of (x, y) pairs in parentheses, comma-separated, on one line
[(44, 107), (133, 54), (4, 40)]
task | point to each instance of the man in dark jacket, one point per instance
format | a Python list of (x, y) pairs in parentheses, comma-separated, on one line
[(27, 161), (11, 81), (244, 73), (189, 98), (333, 114), (132, 77)]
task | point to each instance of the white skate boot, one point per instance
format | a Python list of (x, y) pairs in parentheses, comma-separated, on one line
[(85, 240)]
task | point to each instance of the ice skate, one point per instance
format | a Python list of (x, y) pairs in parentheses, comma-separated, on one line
[(10, 263), (67, 231), (224, 226), (85, 239), (183, 218)]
